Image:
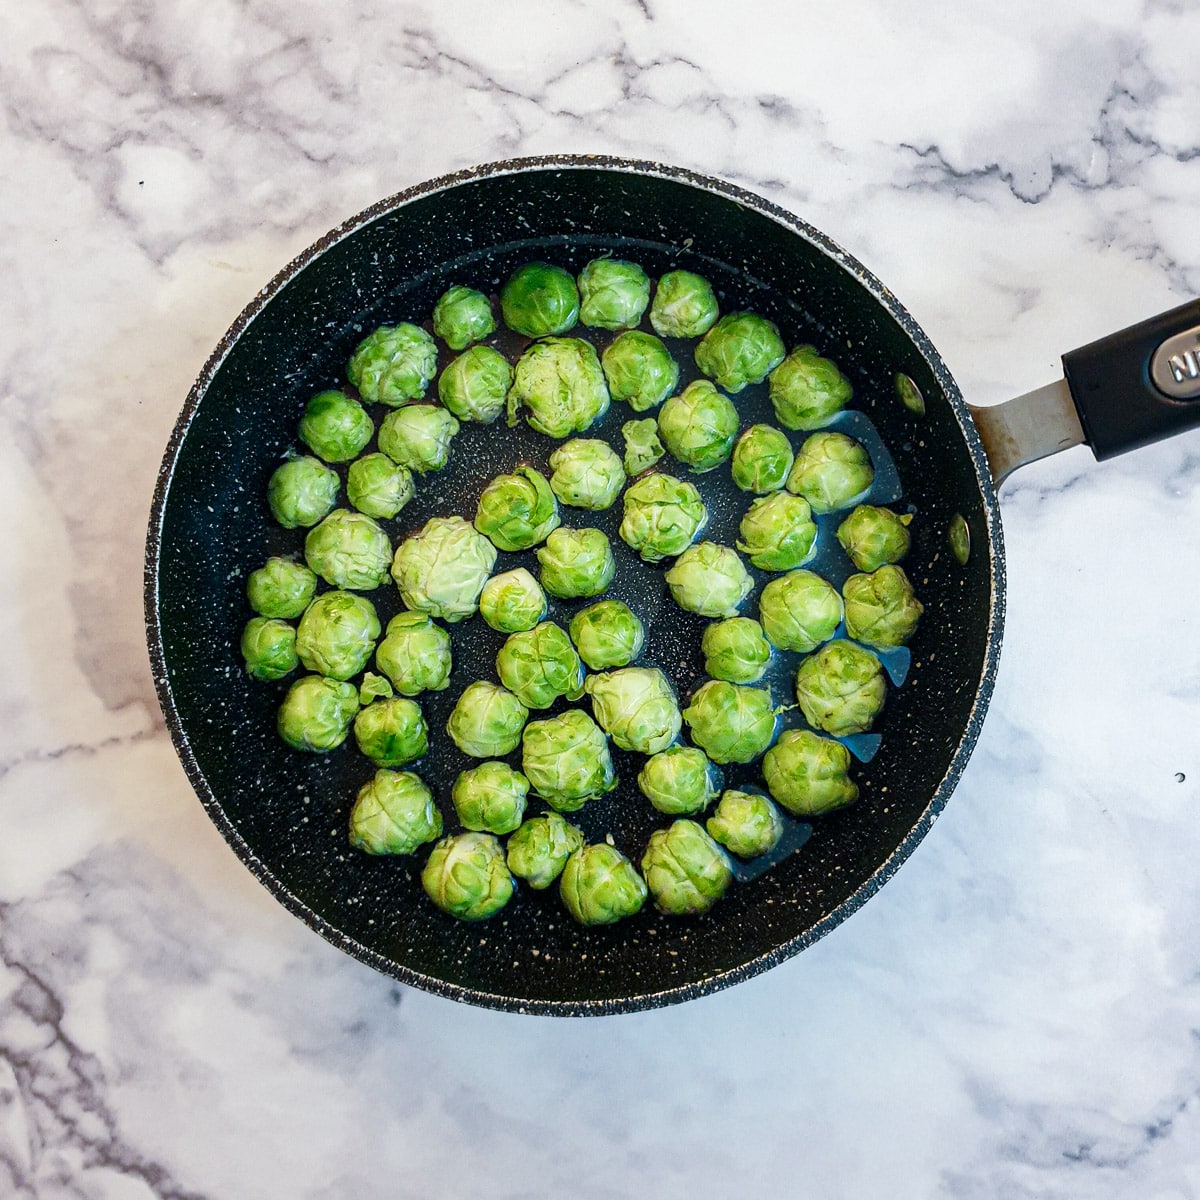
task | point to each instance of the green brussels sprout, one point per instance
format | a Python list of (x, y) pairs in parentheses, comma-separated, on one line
[(517, 511), (462, 316), (686, 871), (560, 382), (599, 885), (540, 665), (337, 634), (607, 634), (587, 474), (281, 587), (710, 580), (762, 458), (576, 562), (731, 723), (874, 537), (539, 299), (831, 471), (490, 798), (881, 609), (808, 391), (636, 707), (394, 364), (349, 550), (391, 733), (799, 611), (301, 491), (467, 877), (394, 813), (566, 760), (374, 687), (663, 516), (639, 370), (679, 780), (418, 436), (334, 427), (442, 569), (269, 648), (740, 348), (746, 823), (642, 445), (512, 602), (841, 688), (808, 774), (487, 721), (612, 294), (539, 850), (778, 532), (474, 386), (736, 650), (316, 713), (684, 305), (379, 487), (415, 654), (699, 426)]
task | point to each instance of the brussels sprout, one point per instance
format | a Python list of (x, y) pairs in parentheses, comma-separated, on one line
[(301, 491), (731, 723), (587, 474), (512, 602), (462, 316), (685, 869), (490, 797), (807, 774), (394, 364), (379, 487), (374, 687), (415, 654), (539, 850), (599, 885), (517, 511), (710, 580), (394, 813), (269, 648), (391, 733), (746, 823), (699, 426), (281, 587), (334, 427), (799, 611), (740, 348), (679, 780), (881, 609), (612, 294), (337, 634), (316, 713), (487, 721), (418, 437), (808, 391), (831, 471), (442, 569), (639, 370), (539, 299), (642, 446), (576, 562), (467, 877), (841, 688), (560, 382), (874, 537), (778, 532), (736, 650), (663, 516), (349, 550), (684, 305), (636, 707), (540, 665), (474, 386), (566, 760), (607, 634), (762, 458)]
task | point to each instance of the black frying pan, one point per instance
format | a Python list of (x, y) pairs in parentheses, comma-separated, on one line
[(285, 813)]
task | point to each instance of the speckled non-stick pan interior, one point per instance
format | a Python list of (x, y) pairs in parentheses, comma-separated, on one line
[(285, 813)]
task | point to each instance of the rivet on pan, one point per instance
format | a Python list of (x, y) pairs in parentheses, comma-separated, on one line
[(910, 394), (960, 539)]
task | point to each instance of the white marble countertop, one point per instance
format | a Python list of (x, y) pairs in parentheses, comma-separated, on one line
[(1017, 1014)]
